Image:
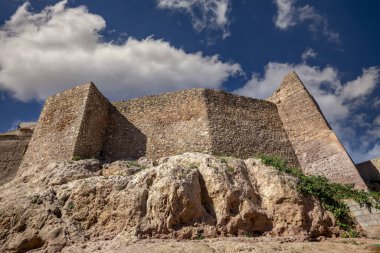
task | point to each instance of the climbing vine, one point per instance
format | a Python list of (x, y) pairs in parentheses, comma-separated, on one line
[(331, 194)]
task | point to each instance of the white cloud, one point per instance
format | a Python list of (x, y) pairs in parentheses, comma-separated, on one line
[(333, 100), (360, 136), (376, 121), (289, 15), (362, 85), (374, 132), (366, 154), (360, 120), (59, 47), (376, 103), (205, 14), (308, 53), (286, 14), (374, 152)]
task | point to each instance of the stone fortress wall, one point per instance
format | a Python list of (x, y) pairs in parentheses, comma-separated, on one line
[(245, 127), (72, 123), (202, 120), (82, 122), (158, 126), (13, 145), (370, 172)]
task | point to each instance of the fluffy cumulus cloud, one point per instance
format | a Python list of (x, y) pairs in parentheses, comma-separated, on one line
[(308, 53), (377, 121), (285, 14), (205, 14), (59, 47), (288, 15), (338, 100)]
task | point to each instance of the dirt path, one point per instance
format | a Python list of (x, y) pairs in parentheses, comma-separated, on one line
[(228, 245)]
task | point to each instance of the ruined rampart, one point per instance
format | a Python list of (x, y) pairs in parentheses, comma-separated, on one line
[(317, 147)]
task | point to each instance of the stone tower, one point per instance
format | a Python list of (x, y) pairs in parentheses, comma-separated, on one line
[(72, 123), (318, 149)]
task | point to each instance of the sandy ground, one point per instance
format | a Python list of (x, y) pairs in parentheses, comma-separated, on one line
[(229, 245)]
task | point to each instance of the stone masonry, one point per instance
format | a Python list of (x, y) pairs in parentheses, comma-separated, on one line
[(202, 120), (370, 172), (13, 145), (369, 219), (245, 127), (158, 126), (72, 123), (82, 123), (318, 149)]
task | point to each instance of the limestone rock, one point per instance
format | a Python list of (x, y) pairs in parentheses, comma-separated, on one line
[(122, 168), (192, 195)]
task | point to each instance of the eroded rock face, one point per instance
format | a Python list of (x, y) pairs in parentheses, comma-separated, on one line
[(186, 196)]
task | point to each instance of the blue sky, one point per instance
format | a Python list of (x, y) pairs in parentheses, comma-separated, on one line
[(131, 48)]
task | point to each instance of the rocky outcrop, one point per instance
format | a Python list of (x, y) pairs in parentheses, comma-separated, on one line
[(186, 196)]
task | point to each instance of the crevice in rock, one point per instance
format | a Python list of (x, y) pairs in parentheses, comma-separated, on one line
[(30, 243), (206, 201)]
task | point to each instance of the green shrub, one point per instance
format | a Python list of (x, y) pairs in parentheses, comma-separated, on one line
[(134, 163), (193, 166), (331, 195), (70, 206), (121, 187), (36, 200), (76, 158), (200, 236), (249, 235), (230, 169), (224, 159)]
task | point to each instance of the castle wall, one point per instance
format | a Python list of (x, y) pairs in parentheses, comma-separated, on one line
[(158, 126), (370, 172), (93, 126), (71, 124), (200, 120), (317, 147), (246, 127), (12, 148), (369, 220)]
